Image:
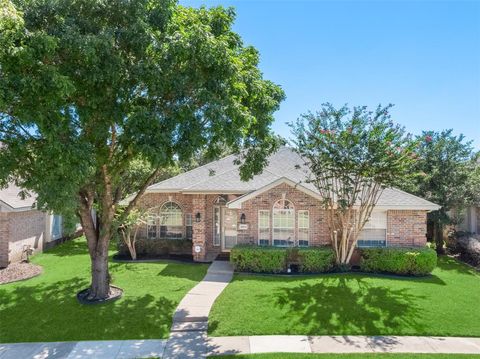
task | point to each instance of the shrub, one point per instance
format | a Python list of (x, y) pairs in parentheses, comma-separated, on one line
[(316, 260), (251, 258), (403, 261), (469, 249)]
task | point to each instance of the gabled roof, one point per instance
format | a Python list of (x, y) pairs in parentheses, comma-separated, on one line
[(285, 165), (10, 199)]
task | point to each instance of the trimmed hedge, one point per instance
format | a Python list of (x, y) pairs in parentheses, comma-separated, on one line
[(403, 261), (258, 259)]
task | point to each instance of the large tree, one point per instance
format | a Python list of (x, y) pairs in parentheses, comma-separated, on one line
[(352, 155), (89, 86), (448, 174)]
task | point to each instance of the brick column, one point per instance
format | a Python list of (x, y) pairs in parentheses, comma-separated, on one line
[(4, 237), (199, 204)]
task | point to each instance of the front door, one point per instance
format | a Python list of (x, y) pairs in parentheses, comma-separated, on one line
[(228, 228)]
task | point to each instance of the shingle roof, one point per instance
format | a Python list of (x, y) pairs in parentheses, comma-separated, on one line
[(222, 176), (10, 197)]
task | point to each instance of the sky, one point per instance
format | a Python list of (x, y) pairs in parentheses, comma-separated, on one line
[(423, 57)]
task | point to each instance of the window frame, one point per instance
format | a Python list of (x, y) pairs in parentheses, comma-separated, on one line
[(307, 228), (374, 225), (268, 228), (275, 211)]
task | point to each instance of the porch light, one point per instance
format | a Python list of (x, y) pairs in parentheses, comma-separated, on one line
[(198, 217), (243, 218)]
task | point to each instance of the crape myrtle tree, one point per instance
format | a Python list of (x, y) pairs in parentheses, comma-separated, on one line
[(352, 155), (448, 175), (89, 86)]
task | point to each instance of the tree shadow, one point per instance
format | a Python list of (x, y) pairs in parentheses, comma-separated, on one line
[(51, 313), (349, 305), (69, 248), (451, 264)]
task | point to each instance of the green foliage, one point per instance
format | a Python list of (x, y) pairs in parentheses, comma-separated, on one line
[(447, 172), (316, 260), (90, 87), (247, 258), (403, 261), (258, 259), (158, 247), (353, 146)]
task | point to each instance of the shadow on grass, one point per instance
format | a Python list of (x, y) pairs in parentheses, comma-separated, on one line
[(72, 247), (51, 313), (344, 305)]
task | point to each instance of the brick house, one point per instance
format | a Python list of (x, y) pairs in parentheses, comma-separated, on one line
[(22, 226), (214, 209)]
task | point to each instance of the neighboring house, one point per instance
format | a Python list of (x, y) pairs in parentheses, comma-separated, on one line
[(23, 227), (211, 206), (470, 221)]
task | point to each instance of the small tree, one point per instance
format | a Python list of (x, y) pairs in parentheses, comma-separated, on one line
[(129, 226), (352, 156), (448, 175)]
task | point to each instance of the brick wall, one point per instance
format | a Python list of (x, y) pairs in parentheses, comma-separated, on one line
[(190, 203), (4, 235), (26, 228), (406, 228), (264, 201)]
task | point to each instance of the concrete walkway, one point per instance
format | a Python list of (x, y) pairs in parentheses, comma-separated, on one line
[(188, 337)]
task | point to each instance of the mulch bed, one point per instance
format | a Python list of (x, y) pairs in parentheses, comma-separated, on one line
[(115, 293), (19, 271)]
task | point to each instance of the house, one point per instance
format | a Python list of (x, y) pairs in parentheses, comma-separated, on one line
[(22, 227), (470, 221), (214, 209)]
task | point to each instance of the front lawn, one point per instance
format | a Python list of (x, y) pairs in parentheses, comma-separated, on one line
[(45, 308), (445, 304), (350, 356)]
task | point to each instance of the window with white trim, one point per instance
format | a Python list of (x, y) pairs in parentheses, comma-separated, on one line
[(171, 223), (374, 233), (152, 226), (216, 226), (188, 226), (283, 223), (263, 227), (303, 228)]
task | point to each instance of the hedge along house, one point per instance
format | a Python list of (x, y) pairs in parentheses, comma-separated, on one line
[(210, 210)]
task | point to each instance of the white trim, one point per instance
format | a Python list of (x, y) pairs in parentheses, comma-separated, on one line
[(303, 228), (237, 203), (269, 239)]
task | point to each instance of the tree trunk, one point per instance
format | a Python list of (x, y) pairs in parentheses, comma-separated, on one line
[(439, 237), (98, 250), (100, 287)]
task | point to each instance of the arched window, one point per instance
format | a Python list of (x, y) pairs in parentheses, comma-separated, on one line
[(283, 223), (171, 221)]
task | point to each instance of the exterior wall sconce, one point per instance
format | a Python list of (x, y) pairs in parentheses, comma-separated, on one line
[(242, 218), (198, 217)]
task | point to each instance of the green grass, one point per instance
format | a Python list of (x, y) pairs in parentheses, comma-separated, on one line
[(45, 308), (350, 356), (445, 304)]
